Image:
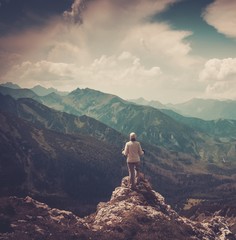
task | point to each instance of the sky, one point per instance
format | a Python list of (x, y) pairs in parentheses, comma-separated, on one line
[(165, 50)]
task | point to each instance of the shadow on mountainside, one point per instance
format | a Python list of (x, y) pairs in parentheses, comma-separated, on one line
[(141, 214)]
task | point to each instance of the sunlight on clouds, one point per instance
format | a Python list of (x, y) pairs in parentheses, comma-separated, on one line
[(110, 46), (124, 70), (220, 76), (219, 70), (30, 74), (64, 51), (221, 90), (158, 43), (221, 15)]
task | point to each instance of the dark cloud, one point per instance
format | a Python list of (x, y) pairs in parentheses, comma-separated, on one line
[(16, 15), (75, 14), (79, 7), (2, 2)]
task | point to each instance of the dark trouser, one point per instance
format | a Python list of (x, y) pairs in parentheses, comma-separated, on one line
[(133, 168)]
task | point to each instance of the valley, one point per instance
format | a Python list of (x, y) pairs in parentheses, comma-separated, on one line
[(79, 137)]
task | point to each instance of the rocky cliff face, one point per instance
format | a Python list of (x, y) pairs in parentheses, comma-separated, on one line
[(140, 214)]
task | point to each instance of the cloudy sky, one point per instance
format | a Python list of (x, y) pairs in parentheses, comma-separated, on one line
[(166, 50)]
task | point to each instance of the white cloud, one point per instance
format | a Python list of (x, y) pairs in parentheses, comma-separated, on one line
[(221, 15), (64, 51), (220, 77), (114, 48), (219, 70), (158, 43), (106, 72), (46, 73)]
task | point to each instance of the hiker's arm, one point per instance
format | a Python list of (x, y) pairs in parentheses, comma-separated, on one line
[(141, 152), (123, 152)]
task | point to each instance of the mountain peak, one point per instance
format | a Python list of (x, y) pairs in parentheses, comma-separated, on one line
[(143, 101), (86, 91), (42, 91), (10, 85), (91, 96), (140, 214), (125, 204)]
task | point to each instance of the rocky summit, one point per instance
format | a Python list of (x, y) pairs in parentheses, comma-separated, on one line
[(140, 214)]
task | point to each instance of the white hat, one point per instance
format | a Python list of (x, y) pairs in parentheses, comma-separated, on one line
[(132, 135)]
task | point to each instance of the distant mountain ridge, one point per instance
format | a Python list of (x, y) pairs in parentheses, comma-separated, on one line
[(38, 89), (42, 91), (34, 112), (206, 109), (151, 124), (147, 122), (223, 128), (142, 101), (19, 93), (10, 85)]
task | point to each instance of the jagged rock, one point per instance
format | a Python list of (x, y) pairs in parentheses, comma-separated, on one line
[(31, 219), (143, 214), (140, 214)]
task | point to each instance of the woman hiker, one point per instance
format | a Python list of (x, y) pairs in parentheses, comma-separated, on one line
[(133, 152)]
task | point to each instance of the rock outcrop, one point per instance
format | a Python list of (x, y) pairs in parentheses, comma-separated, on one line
[(140, 214)]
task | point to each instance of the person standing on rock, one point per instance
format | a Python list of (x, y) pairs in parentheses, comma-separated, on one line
[(133, 152)]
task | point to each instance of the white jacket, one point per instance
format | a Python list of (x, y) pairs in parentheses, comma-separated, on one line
[(133, 151)]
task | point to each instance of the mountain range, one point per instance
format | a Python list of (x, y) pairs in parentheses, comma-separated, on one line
[(42, 116), (151, 125), (206, 109), (56, 148), (39, 90), (210, 141), (158, 161), (222, 128)]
